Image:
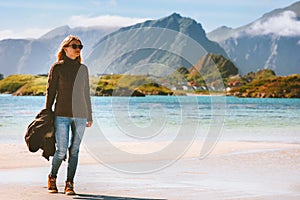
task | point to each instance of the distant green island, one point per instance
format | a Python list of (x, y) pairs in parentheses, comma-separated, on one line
[(105, 85), (262, 84)]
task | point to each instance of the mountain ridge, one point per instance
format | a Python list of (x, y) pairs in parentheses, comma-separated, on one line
[(272, 41), (35, 56), (234, 32), (150, 42)]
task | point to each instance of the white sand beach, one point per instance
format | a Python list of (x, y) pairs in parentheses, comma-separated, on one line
[(234, 170)]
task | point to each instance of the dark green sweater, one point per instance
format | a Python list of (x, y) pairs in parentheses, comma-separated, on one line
[(68, 85)]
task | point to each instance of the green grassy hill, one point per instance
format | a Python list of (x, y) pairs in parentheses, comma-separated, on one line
[(265, 84), (107, 85), (23, 84)]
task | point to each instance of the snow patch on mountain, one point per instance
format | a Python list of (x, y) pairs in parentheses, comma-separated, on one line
[(271, 61)]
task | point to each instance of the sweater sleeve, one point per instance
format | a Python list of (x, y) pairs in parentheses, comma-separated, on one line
[(88, 96), (51, 87)]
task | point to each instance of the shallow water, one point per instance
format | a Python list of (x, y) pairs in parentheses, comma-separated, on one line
[(163, 117)]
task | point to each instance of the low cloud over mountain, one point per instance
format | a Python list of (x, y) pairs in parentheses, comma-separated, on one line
[(284, 24)]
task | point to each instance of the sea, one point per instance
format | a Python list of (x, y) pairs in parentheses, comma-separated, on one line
[(165, 118)]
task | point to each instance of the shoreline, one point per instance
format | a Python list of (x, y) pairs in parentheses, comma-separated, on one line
[(234, 170), (185, 95), (13, 153)]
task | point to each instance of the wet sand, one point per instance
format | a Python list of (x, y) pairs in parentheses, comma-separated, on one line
[(234, 170)]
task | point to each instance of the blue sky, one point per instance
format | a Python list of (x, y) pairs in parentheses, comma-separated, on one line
[(33, 18)]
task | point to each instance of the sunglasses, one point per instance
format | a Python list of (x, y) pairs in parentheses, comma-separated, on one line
[(75, 46)]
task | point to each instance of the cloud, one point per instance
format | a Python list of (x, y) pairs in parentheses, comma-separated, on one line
[(285, 24), (27, 33), (75, 21), (104, 20)]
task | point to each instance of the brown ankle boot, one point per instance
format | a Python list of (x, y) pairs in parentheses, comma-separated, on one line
[(69, 189), (52, 185)]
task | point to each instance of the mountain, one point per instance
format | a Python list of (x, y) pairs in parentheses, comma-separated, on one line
[(222, 33), (272, 41), (35, 56), (155, 46), (225, 67), (171, 41)]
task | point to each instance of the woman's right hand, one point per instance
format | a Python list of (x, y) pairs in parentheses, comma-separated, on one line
[(89, 123)]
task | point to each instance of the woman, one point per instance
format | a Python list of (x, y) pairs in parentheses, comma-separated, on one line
[(68, 86)]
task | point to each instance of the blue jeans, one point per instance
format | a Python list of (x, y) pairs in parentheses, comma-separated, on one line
[(64, 142)]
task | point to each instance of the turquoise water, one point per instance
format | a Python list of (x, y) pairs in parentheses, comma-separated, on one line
[(119, 117)]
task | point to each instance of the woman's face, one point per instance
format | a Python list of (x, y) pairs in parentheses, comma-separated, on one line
[(73, 50)]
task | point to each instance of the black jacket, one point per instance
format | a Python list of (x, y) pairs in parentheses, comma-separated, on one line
[(40, 133)]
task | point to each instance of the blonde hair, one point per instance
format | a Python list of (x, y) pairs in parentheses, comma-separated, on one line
[(61, 53)]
